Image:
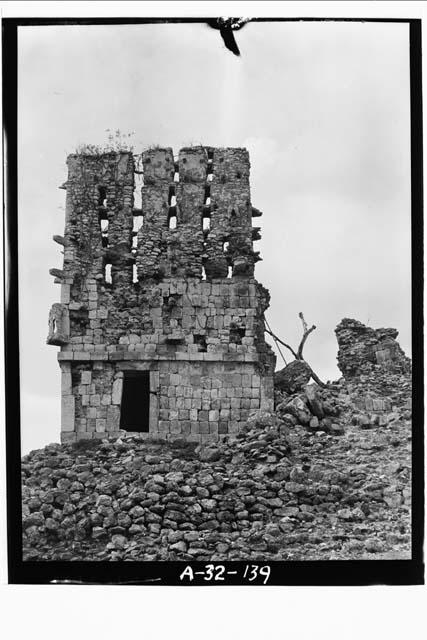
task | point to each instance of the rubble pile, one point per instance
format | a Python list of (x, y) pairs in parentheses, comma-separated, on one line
[(281, 490), (326, 476)]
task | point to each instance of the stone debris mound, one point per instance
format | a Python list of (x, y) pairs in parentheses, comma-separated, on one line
[(326, 476)]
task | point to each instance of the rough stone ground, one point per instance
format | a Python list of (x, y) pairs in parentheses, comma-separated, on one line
[(285, 489)]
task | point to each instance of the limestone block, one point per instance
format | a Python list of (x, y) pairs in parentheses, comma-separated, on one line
[(67, 437), (67, 413), (86, 377), (113, 418), (66, 386), (100, 425), (203, 426), (116, 396)]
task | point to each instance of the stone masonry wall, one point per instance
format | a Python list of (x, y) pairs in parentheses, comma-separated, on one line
[(167, 288), (361, 348)]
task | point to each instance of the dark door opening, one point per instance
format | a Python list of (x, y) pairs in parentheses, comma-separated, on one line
[(135, 406)]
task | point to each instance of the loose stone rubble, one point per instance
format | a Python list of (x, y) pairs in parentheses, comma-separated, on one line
[(293, 377), (325, 476)]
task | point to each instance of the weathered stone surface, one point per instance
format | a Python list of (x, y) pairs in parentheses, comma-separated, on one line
[(328, 490), (314, 402), (361, 348), (293, 377), (166, 287)]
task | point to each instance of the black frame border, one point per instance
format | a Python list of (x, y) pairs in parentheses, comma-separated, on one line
[(298, 573)]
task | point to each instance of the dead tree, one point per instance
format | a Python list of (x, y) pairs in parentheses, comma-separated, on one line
[(298, 353)]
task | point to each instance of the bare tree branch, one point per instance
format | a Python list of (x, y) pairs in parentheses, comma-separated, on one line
[(298, 355), (304, 324), (283, 343), (304, 338), (316, 378)]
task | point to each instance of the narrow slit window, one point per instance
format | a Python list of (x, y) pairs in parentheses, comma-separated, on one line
[(225, 246), (207, 198), (103, 223), (138, 221), (134, 274), (134, 242), (138, 182), (173, 201), (54, 327), (102, 196), (230, 272), (108, 277), (206, 223), (203, 273), (172, 220), (176, 172), (137, 194)]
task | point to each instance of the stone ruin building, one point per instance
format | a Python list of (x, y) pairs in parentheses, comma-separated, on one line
[(160, 323), (360, 348)]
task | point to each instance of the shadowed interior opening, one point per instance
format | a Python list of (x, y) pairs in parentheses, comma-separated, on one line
[(135, 404)]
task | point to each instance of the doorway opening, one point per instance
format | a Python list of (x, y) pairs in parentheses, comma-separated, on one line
[(135, 405)]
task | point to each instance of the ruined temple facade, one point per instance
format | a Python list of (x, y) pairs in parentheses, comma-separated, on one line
[(160, 323)]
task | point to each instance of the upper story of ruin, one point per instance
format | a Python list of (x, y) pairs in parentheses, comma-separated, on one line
[(160, 250), (190, 218)]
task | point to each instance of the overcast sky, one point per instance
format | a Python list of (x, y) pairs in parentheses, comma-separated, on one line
[(323, 109)]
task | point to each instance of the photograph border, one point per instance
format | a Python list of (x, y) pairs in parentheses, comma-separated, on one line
[(334, 572)]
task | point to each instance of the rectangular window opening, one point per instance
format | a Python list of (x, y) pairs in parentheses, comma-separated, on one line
[(201, 342), (230, 272), (135, 404), (236, 334), (225, 246), (203, 273), (134, 241), (206, 223)]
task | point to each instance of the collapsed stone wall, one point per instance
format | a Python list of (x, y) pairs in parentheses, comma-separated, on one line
[(166, 288), (361, 348)]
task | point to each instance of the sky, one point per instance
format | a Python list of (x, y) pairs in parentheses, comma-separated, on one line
[(322, 107)]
